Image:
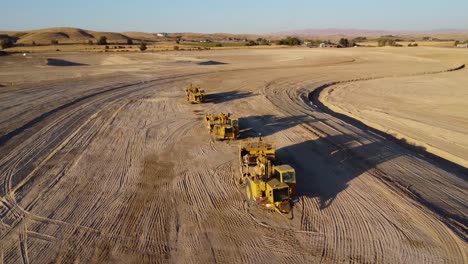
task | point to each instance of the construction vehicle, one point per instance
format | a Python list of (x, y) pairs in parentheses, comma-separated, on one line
[(222, 126), (194, 94), (266, 183)]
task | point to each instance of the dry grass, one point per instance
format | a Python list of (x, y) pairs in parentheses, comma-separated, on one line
[(65, 36)]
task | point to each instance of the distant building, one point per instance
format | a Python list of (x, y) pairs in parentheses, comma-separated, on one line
[(329, 45), (462, 45), (162, 35)]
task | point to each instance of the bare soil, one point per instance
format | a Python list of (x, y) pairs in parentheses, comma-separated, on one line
[(428, 110), (106, 162)]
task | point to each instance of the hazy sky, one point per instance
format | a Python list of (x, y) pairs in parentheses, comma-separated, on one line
[(236, 16)]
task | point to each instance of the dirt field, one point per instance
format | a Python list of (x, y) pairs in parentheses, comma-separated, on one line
[(428, 110), (104, 161)]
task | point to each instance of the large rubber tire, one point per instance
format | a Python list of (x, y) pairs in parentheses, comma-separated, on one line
[(248, 192)]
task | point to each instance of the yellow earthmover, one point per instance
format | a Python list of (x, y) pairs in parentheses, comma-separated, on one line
[(222, 126), (194, 94), (266, 183)]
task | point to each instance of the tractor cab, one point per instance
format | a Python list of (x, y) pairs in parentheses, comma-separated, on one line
[(233, 129), (286, 174), (235, 122)]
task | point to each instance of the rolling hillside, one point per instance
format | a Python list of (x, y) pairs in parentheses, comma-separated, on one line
[(64, 36), (68, 35)]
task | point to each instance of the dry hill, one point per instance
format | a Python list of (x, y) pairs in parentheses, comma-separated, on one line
[(64, 36)]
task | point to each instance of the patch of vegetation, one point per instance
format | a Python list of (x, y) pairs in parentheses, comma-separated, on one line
[(54, 42), (259, 41), (213, 44), (143, 46), (290, 41), (129, 41), (102, 41), (263, 41), (387, 42), (6, 43), (251, 43), (344, 42)]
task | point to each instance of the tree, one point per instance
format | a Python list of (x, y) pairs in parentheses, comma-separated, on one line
[(386, 42), (6, 43), (102, 40), (176, 47), (291, 41), (54, 42), (34, 43), (456, 43), (143, 46), (90, 42), (129, 41), (262, 41), (344, 42), (251, 43)]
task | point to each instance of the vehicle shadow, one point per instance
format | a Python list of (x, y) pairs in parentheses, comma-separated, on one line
[(267, 125), (63, 63), (325, 166), (211, 62), (222, 97)]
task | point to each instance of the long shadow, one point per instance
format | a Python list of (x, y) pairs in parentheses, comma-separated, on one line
[(324, 169), (63, 63), (211, 62), (267, 125), (458, 170), (217, 98), (326, 166)]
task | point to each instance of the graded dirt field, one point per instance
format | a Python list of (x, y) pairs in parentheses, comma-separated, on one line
[(103, 160), (427, 110)]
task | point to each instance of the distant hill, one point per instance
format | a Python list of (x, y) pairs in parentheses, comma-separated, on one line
[(68, 35), (142, 36), (63, 36), (335, 33)]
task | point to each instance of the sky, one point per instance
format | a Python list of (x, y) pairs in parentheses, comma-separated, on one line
[(234, 16)]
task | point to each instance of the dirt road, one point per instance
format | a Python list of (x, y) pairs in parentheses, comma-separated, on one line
[(106, 162)]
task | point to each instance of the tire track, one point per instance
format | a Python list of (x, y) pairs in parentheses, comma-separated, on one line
[(299, 106)]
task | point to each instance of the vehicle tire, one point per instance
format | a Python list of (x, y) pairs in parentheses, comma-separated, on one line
[(248, 193)]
